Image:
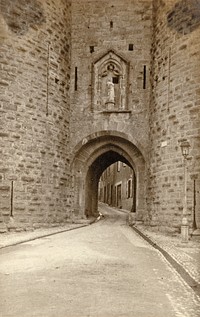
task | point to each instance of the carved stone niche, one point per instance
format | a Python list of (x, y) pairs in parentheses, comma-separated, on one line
[(110, 83)]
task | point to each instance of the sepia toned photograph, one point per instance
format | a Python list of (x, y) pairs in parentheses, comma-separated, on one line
[(99, 158)]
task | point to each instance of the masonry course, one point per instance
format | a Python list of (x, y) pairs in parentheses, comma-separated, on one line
[(173, 99), (50, 51), (35, 63)]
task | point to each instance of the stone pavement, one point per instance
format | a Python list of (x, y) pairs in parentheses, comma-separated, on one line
[(185, 257), (13, 238)]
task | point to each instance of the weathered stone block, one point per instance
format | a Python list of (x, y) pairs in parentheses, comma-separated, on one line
[(46, 109)]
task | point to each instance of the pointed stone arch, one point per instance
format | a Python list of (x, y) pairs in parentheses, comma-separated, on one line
[(92, 156)]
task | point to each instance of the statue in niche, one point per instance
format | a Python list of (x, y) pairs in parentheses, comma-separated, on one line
[(111, 91), (110, 80), (109, 88)]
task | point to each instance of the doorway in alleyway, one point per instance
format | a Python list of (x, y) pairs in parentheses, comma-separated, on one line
[(119, 195), (92, 158)]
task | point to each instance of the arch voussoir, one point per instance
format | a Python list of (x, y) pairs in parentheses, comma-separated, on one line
[(92, 156)]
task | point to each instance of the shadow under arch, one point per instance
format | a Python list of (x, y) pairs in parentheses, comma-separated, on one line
[(91, 157)]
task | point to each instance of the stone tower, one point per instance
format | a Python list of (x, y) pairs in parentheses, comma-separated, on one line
[(87, 83), (110, 93), (34, 113), (174, 112)]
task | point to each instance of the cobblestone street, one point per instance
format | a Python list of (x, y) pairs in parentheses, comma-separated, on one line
[(101, 270)]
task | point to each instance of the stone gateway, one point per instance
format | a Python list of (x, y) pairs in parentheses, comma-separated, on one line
[(84, 84)]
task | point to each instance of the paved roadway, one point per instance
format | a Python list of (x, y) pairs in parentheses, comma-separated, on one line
[(104, 270)]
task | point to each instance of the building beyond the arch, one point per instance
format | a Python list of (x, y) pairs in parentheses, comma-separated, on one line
[(81, 81), (117, 187)]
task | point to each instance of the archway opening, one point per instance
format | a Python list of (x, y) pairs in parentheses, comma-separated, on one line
[(111, 179), (92, 156)]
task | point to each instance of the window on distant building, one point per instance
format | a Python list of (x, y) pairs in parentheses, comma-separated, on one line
[(129, 188), (119, 196), (118, 166)]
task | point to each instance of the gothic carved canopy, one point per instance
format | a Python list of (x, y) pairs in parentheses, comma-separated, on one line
[(110, 83)]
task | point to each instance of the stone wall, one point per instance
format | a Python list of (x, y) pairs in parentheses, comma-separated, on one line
[(174, 111), (34, 113), (151, 50), (111, 40), (99, 27)]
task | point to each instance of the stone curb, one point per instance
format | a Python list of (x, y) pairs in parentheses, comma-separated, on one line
[(178, 267)]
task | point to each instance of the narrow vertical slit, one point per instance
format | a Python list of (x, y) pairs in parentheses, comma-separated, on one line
[(168, 80), (48, 62), (11, 200), (91, 49), (144, 76), (76, 79), (111, 24), (130, 47)]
